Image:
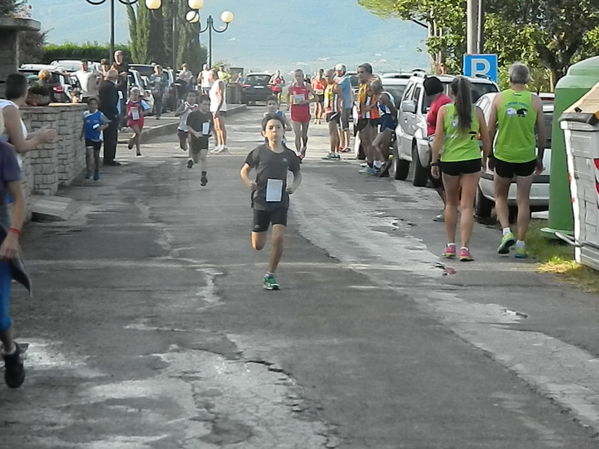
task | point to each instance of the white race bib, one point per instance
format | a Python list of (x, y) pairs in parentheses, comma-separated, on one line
[(274, 190), (206, 128)]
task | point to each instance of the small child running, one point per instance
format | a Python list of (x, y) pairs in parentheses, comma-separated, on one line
[(136, 109), (94, 122), (187, 107), (270, 192), (273, 107), (201, 125)]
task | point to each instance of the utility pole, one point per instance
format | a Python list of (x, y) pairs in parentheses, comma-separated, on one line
[(471, 26), (480, 42)]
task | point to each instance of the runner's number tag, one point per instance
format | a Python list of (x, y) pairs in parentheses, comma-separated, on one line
[(274, 190)]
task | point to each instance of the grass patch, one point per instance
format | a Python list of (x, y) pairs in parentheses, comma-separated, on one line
[(557, 257)]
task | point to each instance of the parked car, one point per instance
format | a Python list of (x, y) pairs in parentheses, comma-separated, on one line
[(61, 83), (72, 65), (539, 193), (412, 143), (255, 88), (143, 69), (396, 84)]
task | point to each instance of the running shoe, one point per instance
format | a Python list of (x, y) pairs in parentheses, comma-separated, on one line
[(216, 149), (346, 150), (270, 282), (330, 157), (449, 251), (14, 371), (189, 163), (204, 181), (506, 241), (220, 149), (96, 175), (521, 252), (130, 144), (439, 218), (372, 171), (465, 255)]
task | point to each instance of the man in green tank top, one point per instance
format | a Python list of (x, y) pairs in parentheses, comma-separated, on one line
[(516, 116)]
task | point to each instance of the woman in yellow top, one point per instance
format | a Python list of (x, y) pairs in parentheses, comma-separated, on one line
[(457, 155)]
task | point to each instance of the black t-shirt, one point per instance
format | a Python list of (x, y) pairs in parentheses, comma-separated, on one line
[(196, 120), (272, 166)]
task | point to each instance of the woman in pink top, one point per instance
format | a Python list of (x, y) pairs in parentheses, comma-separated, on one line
[(300, 96)]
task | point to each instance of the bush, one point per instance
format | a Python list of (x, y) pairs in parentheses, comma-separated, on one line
[(91, 51)]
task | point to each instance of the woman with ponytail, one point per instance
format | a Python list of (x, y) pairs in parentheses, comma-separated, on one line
[(457, 157)]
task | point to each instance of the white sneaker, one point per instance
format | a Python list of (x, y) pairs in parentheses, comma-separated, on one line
[(216, 149), (221, 149)]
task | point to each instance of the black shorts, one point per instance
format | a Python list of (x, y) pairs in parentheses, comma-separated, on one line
[(199, 144), (320, 98), (263, 218), (510, 169), (96, 145), (461, 167)]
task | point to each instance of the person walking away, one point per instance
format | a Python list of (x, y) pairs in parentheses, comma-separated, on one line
[(319, 84), (217, 104), (433, 89), (205, 80), (300, 95), (158, 85), (270, 192), (188, 106), (368, 117), (108, 99), (10, 262), (388, 122), (277, 83), (515, 115), (333, 105), (347, 104), (136, 109), (122, 69), (89, 80), (200, 123), (457, 156), (94, 122)]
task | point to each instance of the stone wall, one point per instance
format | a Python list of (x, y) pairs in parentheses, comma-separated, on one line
[(57, 163)]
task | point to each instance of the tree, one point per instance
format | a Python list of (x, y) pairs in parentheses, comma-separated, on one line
[(31, 46), (10, 7)]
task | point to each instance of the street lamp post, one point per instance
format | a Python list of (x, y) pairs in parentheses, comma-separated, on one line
[(194, 17), (100, 2)]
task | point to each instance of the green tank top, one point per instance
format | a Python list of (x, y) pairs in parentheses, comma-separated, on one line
[(460, 145), (516, 119)]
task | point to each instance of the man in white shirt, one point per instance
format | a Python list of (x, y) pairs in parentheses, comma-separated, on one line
[(89, 80), (205, 80)]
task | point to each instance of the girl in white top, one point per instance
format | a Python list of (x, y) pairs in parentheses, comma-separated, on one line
[(204, 79), (15, 131), (217, 104)]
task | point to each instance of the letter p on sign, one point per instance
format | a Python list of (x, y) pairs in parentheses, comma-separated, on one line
[(481, 65)]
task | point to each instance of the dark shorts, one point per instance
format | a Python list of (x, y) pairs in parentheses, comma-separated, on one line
[(333, 117), (320, 98), (93, 144), (387, 122), (263, 218), (345, 115), (510, 169), (364, 122), (461, 167), (199, 144)]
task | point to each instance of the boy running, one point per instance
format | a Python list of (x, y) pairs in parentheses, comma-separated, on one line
[(94, 122), (270, 192), (273, 107), (200, 124), (188, 106)]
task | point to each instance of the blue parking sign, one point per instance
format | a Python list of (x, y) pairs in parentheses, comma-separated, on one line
[(485, 65)]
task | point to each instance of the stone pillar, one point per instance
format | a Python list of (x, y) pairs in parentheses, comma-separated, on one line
[(9, 45)]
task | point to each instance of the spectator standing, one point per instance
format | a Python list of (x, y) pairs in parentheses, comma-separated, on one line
[(333, 108), (94, 122), (223, 74), (368, 115), (158, 85), (44, 79), (457, 157), (89, 80), (122, 69), (109, 100), (104, 68), (10, 262), (218, 103), (277, 83), (388, 122), (433, 89), (516, 114), (319, 84), (300, 95), (205, 79), (347, 104)]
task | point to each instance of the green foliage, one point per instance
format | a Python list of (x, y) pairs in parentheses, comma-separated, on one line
[(9, 7), (31, 46), (92, 51)]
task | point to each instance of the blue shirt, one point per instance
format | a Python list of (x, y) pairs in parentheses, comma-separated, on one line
[(345, 85), (92, 123)]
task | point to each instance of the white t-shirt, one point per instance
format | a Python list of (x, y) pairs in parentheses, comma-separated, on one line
[(89, 82), (205, 79), (4, 136), (214, 97)]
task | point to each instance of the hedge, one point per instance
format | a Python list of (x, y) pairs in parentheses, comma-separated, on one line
[(91, 51)]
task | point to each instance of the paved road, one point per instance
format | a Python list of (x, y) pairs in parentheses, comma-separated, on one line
[(149, 327)]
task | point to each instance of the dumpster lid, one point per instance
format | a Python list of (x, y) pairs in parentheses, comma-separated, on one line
[(585, 110)]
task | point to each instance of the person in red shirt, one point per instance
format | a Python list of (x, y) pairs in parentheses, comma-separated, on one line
[(433, 88)]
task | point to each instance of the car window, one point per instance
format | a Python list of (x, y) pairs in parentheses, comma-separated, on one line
[(548, 121), (408, 93), (417, 95), (354, 81), (478, 90), (258, 80), (397, 92)]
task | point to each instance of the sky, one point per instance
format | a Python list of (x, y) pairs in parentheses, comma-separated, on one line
[(265, 35)]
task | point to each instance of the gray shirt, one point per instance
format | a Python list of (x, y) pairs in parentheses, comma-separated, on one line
[(273, 166)]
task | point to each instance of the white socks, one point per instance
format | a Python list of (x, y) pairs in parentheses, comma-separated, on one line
[(506, 230)]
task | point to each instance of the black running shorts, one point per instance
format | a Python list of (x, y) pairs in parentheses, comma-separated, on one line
[(263, 218)]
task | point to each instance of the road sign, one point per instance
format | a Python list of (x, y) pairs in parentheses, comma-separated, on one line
[(481, 65)]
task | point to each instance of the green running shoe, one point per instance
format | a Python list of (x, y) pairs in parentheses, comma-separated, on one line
[(521, 252), (507, 241), (270, 282)]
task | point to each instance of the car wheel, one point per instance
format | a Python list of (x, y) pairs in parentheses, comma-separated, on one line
[(420, 172), (402, 168), (483, 205)]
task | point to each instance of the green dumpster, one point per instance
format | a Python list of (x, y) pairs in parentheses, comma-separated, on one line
[(581, 77)]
